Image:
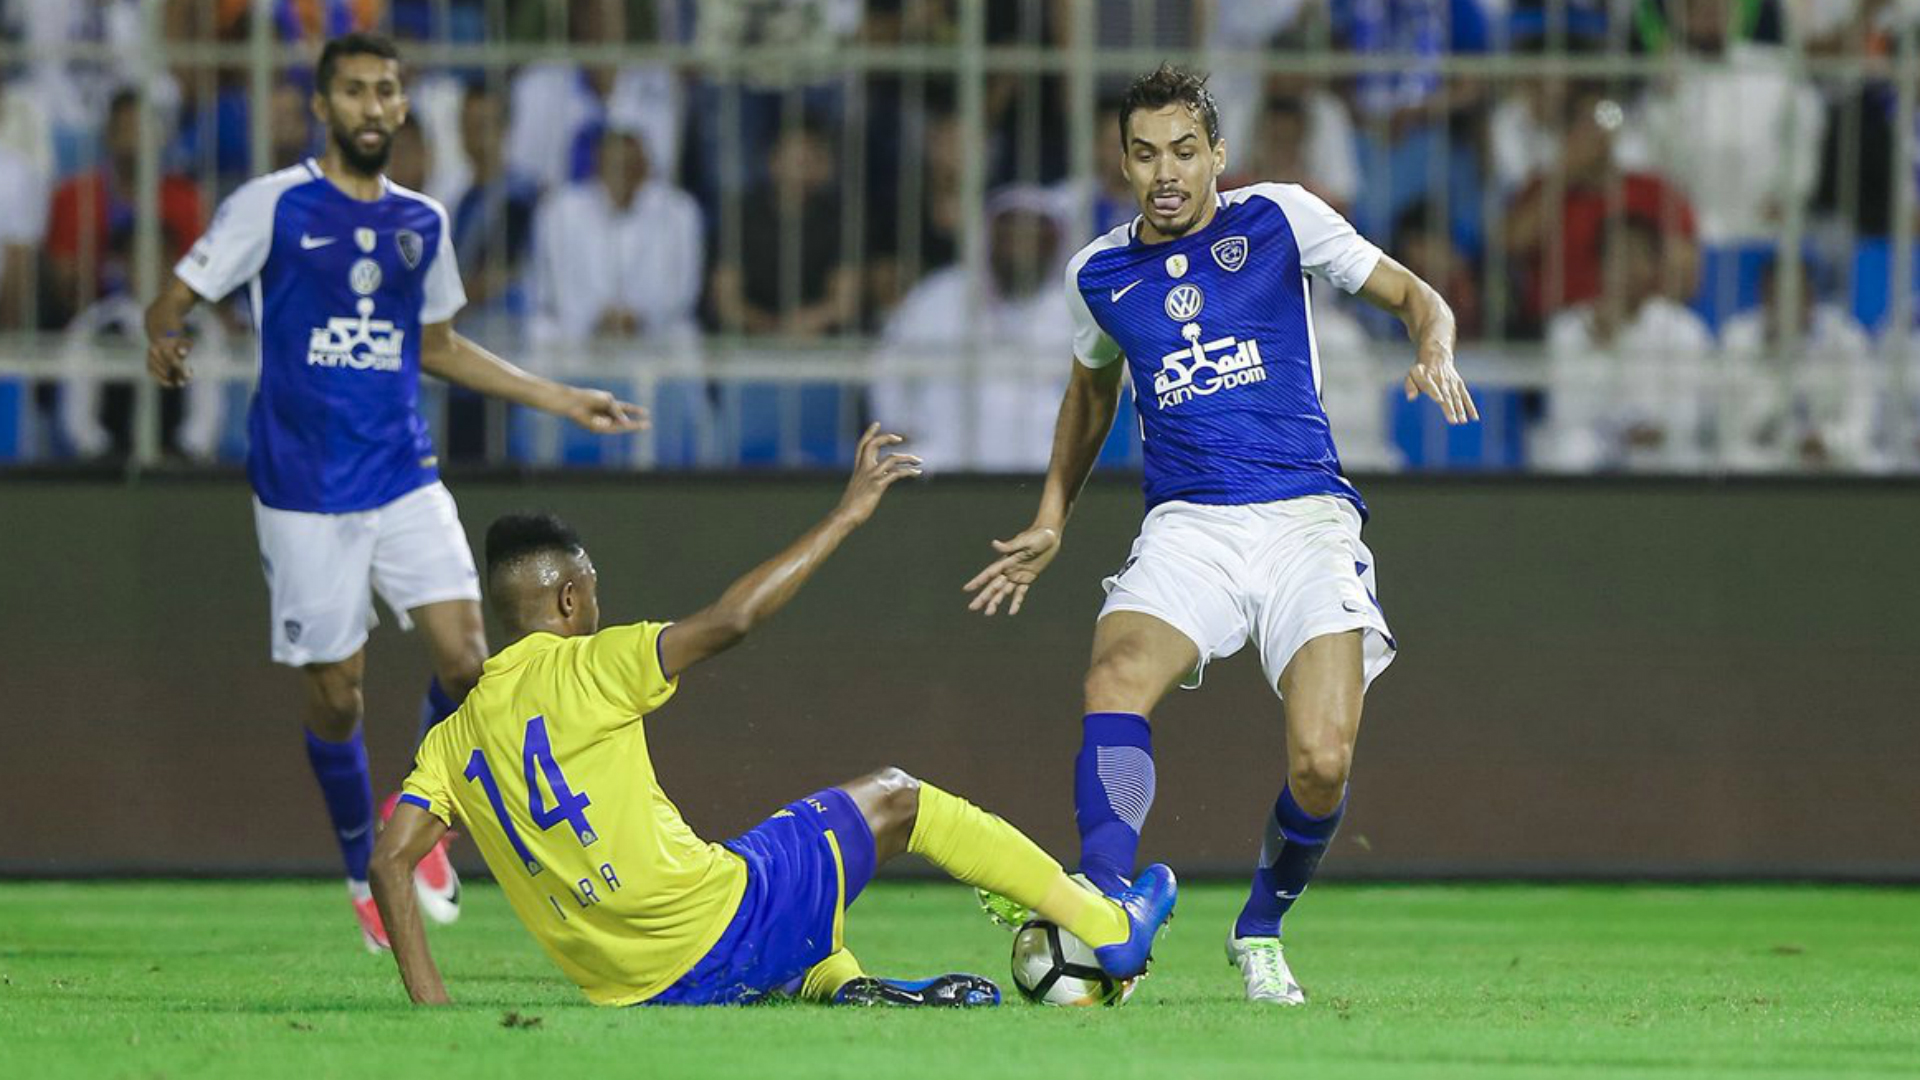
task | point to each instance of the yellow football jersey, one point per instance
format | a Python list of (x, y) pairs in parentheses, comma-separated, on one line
[(546, 763)]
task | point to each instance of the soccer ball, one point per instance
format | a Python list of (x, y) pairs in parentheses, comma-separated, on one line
[(1052, 967)]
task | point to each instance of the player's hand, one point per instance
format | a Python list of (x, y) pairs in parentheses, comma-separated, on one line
[(167, 360), (1436, 377), (1008, 577), (875, 472), (602, 413)]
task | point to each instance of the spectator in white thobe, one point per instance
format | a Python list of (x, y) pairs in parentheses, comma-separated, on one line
[(980, 389), (618, 259), (1628, 374), (554, 102), (1805, 402)]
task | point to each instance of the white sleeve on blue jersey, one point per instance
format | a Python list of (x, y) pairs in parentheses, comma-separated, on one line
[(1092, 346), (1329, 246), (234, 248), (445, 294)]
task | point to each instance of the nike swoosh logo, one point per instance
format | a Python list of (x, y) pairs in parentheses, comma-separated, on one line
[(355, 834), (308, 243), (1118, 293), (1282, 894)]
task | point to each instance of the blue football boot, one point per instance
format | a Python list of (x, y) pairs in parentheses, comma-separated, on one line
[(1148, 903), (949, 991)]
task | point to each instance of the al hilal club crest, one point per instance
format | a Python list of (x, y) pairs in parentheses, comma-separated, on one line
[(411, 247), (1231, 253)]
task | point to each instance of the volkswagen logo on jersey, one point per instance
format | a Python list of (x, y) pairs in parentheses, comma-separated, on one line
[(365, 238), (1184, 303), (1231, 253), (411, 247), (364, 277)]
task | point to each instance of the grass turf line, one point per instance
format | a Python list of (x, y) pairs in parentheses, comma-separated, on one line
[(268, 979)]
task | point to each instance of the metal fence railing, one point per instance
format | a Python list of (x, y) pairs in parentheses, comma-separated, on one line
[(1679, 234)]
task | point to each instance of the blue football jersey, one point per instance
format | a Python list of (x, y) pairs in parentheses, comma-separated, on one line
[(1217, 331), (339, 289)]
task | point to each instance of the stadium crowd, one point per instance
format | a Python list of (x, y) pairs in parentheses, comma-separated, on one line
[(1621, 221)]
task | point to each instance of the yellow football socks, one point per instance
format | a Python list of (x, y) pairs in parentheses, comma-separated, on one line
[(982, 850), (825, 978)]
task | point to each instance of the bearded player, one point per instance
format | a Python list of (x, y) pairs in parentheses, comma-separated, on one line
[(1251, 532), (353, 288)]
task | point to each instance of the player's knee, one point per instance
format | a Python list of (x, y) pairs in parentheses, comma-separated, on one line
[(334, 703), (1320, 771), (899, 794), (1115, 683)]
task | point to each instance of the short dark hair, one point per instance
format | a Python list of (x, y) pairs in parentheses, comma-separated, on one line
[(513, 537), (124, 98), (357, 43), (1169, 85)]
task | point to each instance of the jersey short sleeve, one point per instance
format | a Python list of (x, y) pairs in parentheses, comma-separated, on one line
[(426, 786), (1092, 345), (1330, 248), (623, 664), (234, 248), (445, 294)]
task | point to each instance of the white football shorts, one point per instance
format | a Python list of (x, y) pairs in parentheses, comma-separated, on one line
[(322, 570), (1278, 573)]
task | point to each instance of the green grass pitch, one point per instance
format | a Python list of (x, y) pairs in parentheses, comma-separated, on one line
[(268, 979)]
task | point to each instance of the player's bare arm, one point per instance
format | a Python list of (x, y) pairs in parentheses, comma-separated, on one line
[(1086, 415), (1429, 321), (404, 841), (167, 340), (460, 360), (753, 599)]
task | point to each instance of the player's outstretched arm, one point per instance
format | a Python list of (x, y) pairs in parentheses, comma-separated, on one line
[(1086, 415), (1429, 321), (754, 598), (404, 841), (460, 360), (167, 340)]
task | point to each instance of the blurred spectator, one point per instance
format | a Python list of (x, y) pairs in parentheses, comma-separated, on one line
[(619, 255), (289, 125), (559, 107), (1002, 368), (1095, 205), (913, 224), (1627, 382), (1415, 138), (1808, 384), (1740, 135), (1354, 388), (1303, 138), (1584, 185), (97, 421), (619, 259), (407, 159), (493, 214), (789, 273), (23, 190), (1422, 243), (91, 226)]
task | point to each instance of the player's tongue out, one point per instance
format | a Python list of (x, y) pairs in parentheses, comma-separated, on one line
[(1169, 202)]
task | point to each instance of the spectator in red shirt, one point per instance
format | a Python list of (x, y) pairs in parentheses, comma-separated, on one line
[(1587, 182), (91, 224)]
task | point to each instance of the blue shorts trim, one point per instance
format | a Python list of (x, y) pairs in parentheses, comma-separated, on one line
[(805, 866)]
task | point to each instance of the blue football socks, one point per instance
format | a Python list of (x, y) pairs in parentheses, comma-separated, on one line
[(341, 768), (1295, 842), (1113, 783)]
